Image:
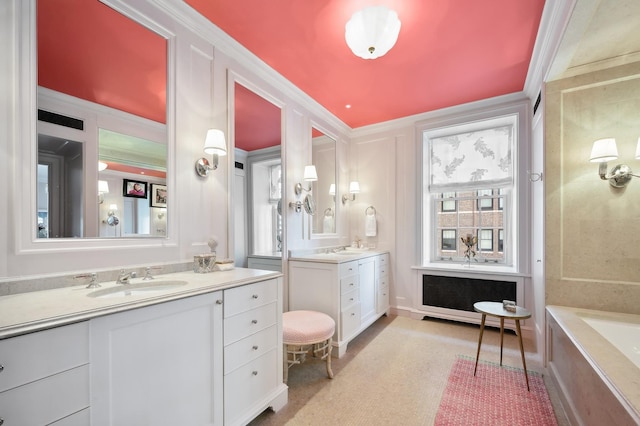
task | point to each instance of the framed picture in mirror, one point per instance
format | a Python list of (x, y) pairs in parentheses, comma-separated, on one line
[(158, 195), (134, 188)]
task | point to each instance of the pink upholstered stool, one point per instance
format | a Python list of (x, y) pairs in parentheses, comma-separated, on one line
[(305, 331)]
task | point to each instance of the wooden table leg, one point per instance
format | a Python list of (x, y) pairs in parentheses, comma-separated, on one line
[(501, 337), (524, 363), (484, 316)]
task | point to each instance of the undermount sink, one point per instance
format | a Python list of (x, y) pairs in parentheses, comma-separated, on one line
[(356, 250), (347, 253), (143, 288)]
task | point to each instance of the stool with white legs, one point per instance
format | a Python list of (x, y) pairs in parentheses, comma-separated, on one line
[(304, 332)]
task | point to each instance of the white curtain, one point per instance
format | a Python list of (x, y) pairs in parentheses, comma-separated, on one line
[(479, 158)]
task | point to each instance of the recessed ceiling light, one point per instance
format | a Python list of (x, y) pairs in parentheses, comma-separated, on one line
[(347, 106)]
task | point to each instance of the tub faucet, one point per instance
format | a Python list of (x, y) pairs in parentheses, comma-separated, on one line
[(123, 277)]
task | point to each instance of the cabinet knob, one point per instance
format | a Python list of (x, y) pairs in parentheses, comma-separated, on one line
[(255, 347), (255, 373), (1, 369), (353, 314), (255, 296), (219, 302), (1, 421), (254, 321)]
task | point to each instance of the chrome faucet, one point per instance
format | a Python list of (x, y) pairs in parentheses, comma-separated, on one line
[(124, 277)]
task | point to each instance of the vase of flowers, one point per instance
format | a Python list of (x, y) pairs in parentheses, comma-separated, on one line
[(469, 241)]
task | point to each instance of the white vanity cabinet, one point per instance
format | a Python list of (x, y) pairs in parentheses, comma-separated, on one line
[(252, 350), (44, 377), (350, 292), (159, 365), (211, 359)]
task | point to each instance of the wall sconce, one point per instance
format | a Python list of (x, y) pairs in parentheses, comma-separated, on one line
[(112, 219), (102, 166), (103, 188), (310, 175), (605, 150), (354, 188), (214, 144)]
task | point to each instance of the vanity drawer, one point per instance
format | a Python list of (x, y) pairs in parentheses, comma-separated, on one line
[(383, 265), (47, 400), (348, 268), (246, 297), (247, 323), (350, 321), (33, 356), (248, 384), (249, 348), (348, 284), (348, 299)]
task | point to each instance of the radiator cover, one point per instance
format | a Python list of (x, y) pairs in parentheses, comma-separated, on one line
[(461, 293)]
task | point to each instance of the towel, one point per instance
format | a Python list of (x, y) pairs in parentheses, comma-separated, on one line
[(370, 225), (328, 225)]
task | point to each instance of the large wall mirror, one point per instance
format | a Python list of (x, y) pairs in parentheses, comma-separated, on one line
[(259, 177), (323, 149), (102, 141)]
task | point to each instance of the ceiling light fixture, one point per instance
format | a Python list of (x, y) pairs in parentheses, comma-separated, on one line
[(372, 32)]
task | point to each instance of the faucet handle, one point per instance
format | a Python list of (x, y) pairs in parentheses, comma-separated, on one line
[(94, 279), (147, 272)]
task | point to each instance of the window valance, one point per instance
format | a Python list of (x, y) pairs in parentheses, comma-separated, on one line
[(470, 159)]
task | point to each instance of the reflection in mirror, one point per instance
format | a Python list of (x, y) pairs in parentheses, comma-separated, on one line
[(136, 168), (259, 222), (60, 189), (109, 73), (324, 189)]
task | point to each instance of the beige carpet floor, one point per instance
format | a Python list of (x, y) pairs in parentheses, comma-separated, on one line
[(394, 373)]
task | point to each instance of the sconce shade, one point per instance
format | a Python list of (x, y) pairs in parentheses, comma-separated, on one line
[(604, 150), (310, 174), (354, 187), (332, 189), (102, 166), (372, 32), (113, 207), (103, 186), (215, 143)]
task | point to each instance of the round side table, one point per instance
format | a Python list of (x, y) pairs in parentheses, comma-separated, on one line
[(495, 309)]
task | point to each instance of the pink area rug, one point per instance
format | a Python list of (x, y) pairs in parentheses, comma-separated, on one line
[(495, 396)]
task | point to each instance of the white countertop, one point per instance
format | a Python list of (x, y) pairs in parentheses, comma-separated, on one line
[(38, 310), (346, 255)]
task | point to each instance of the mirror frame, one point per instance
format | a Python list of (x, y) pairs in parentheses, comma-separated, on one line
[(234, 77), (24, 198), (322, 235)]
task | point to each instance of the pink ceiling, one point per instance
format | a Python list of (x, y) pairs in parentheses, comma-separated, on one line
[(257, 121), (90, 51), (447, 53)]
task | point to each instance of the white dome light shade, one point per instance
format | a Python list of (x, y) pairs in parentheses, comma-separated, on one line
[(604, 150), (102, 166), (372, 32), (215, 143)]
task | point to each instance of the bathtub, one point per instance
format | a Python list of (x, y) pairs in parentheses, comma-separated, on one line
[(593, 358)]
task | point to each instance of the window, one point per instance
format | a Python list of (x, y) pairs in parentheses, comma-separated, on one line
[(448, 239), (485, 199), (470, 187), (448, 203), (485, 240)]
